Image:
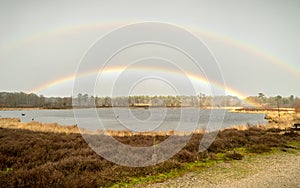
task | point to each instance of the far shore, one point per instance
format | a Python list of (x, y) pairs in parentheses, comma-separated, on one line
[(35, 108), (233, 109), (131, 107), (262, 110), (19, 109)]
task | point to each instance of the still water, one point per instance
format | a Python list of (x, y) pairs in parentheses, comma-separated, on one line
[(152, 119)]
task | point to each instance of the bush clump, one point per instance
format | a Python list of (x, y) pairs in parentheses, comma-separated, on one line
[(234, 155)]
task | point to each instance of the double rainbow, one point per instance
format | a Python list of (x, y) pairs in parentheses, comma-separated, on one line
[(272, 59)]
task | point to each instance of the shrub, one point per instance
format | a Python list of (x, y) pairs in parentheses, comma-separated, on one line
[(274, 130), (234, 155), (258, 149), (291, 134)]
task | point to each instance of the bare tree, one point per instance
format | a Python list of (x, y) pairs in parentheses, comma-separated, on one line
[(278, 100), (262, 99)]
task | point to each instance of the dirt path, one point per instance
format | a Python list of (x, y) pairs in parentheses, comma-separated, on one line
[(276, 171)]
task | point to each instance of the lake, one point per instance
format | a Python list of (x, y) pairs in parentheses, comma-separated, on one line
[(139, 119)]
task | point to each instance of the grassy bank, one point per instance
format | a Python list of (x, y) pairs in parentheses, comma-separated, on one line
[(282, 119), (47, 159)]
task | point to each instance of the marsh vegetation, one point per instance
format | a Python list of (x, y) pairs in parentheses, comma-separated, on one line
[(47, 159)]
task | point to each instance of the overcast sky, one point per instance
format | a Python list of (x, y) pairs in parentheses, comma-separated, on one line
[(256, 43)]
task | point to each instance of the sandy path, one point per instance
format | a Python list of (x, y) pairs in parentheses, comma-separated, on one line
[(276, 171)]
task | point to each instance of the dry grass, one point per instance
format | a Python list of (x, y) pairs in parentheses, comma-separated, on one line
[(15, 123), (276, 121), (297, 118), (19, 109), (284, 121)]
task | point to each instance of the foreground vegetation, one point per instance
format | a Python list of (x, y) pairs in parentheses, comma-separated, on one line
[(45, 159)]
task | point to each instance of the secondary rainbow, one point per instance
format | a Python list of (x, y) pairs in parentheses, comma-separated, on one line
[(108, 26)]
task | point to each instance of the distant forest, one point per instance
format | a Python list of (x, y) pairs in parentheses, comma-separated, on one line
[(23, 100)]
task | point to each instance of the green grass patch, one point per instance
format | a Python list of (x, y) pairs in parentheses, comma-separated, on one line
[(150, 178)]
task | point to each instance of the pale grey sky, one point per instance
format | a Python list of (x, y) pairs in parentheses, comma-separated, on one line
[(256, 43)]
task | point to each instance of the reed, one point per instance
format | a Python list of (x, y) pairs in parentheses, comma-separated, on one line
[(15, 123)]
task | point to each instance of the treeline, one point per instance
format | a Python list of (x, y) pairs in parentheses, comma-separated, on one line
[(23, 100), (157, 101), (275, 101)]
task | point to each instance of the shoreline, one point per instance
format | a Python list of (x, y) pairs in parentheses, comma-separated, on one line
[(282, 122), (229, 109), (19, 109), (263, 110)]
